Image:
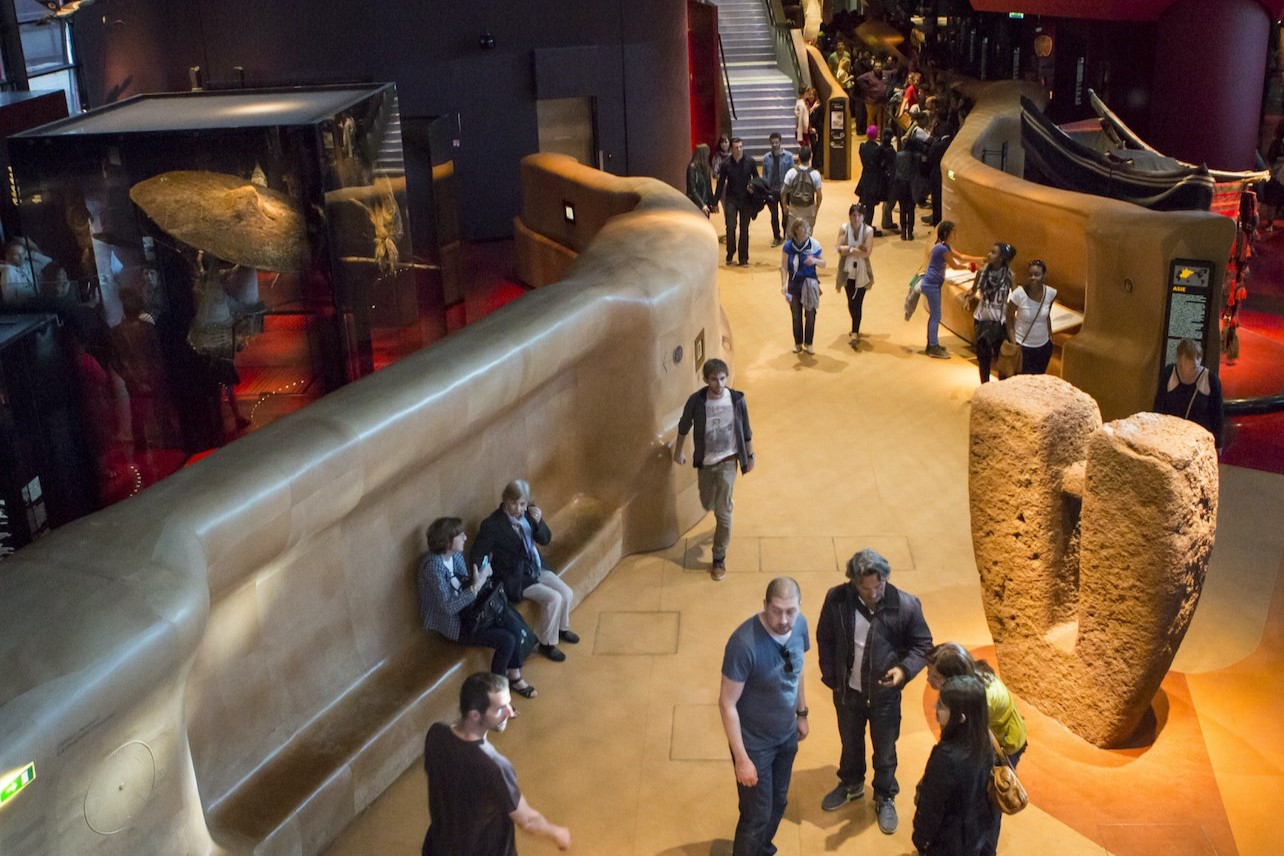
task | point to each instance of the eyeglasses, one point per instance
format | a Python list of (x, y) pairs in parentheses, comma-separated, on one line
[(789, 661)]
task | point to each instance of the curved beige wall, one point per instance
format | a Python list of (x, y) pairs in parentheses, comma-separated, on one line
[(217, 614), (1093, 247)]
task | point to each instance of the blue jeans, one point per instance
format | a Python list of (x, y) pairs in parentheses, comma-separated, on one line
[(763, 805), (883, 716), (933, 297)]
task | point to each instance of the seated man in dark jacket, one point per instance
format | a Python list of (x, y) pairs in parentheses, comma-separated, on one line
[(509, 536), (871, 640)]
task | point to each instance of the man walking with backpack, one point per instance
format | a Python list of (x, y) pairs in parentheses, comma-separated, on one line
[(801, 195)]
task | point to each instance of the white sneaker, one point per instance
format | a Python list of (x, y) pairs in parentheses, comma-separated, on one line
[(797, 349), (809, 349)]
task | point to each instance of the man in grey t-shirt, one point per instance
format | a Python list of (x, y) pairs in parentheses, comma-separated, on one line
[(723, 441), (764, 711)]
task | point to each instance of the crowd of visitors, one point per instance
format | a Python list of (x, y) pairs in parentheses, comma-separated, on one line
[(872, 638)]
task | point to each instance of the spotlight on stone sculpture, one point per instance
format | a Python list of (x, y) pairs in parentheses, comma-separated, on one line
[(1092, 543)]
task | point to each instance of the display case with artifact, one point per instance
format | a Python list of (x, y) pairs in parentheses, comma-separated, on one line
[(244, 251)]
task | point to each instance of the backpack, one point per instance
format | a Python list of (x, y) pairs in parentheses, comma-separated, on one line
[(802, 192)]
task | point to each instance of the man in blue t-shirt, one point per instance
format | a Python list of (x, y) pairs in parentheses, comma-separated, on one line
[(764, 711)]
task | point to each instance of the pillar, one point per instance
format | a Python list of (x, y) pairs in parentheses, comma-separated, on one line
[(1210, 64)]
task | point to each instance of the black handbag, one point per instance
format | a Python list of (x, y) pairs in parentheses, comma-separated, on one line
[(484, 612)]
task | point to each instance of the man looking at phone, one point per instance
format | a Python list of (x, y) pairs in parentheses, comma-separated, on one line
[(871, 639)]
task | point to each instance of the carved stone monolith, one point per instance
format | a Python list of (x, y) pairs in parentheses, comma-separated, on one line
[(1092, 543)]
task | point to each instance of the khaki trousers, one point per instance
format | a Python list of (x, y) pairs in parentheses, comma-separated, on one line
[(554, 598), (716, 482)]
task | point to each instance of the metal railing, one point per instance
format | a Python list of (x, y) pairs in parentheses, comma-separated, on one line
[(1253, 406), (787, 41), (726, 78)]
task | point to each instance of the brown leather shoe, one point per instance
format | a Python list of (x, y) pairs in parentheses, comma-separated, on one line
[(719, 570)]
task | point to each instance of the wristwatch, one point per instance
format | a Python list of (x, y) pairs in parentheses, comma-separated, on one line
[(802, 714)]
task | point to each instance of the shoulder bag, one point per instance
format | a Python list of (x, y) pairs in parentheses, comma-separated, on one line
[(911, 298), (1006, 792)]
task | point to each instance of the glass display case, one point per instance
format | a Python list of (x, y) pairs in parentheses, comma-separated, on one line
[(229, 256), (47, 476)]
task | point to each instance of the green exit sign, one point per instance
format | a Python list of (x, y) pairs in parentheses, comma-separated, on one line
[(11, 784), (1016, 14)]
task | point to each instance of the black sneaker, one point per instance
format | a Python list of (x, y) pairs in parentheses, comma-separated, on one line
[(841, 796), (938, 352), (886, 816), (570, 637), (552, 653)]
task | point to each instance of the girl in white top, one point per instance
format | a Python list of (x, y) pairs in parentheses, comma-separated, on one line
[(1029, 319), (855, 276)]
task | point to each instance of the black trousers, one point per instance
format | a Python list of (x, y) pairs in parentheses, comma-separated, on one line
[(904, 193), (989, 336), (736, 209), (1035, 360), (804, 319), (773, 206), (855, 301)]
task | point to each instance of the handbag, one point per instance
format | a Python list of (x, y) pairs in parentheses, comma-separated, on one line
[(911, 298), (1005, 790), (485, 611), (1009, 362)]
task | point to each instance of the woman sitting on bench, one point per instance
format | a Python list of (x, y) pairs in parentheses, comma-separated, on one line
[(459, 606)]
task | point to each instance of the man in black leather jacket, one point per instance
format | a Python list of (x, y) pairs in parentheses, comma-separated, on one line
[(871, 640)]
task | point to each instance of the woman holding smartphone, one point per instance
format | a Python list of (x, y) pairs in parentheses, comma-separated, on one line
[(447, 589)]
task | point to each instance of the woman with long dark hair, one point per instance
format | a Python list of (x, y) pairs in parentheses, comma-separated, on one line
[(993, 282), (953, 815), (700, 180)]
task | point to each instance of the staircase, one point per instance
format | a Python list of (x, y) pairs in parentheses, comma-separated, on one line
[(764, 95), (389, 161)]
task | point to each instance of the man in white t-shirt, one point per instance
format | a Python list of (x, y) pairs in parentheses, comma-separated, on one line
[(723, 442)]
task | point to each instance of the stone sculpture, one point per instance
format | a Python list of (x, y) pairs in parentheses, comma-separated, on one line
[(1092, 543)]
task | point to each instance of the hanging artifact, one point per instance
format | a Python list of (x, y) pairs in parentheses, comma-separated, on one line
[(226, 216)]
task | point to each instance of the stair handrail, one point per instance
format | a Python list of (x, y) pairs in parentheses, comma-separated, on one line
[(788, 42), (726, 78)]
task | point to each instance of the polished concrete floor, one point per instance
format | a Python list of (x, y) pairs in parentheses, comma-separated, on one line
[(855, 449)]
